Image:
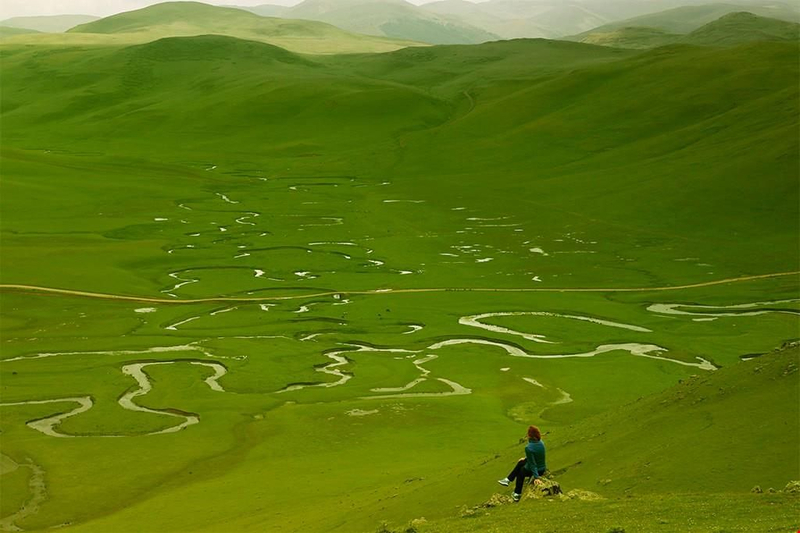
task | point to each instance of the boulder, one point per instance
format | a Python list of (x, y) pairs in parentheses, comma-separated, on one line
[(497, 500), (583, 495), (547, 489)]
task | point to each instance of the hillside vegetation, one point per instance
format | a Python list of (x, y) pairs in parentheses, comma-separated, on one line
[(660, 470), (435, 102)]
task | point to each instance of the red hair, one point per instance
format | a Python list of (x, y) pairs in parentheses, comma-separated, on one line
[(534, 433)]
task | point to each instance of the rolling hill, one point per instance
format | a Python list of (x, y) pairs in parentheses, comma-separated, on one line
[(171, 19), (653, 461), (685, 19), (48, 24), (729, 30), (443, 102), (515, 18), (739, 28), (465, 22), (633, 37)]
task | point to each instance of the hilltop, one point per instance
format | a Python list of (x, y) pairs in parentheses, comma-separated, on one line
[(210, 49), (738, 28), (633, 37), (685, 19), (729, 30), (181, 19)]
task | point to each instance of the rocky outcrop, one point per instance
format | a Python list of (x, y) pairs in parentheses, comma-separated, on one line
[(548, 488), (579, 494), (793, 487)]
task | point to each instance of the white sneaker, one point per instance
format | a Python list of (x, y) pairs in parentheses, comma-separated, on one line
[(505, 481), (515, 496)]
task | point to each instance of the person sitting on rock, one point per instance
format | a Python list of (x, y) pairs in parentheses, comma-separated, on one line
[(533, 464)]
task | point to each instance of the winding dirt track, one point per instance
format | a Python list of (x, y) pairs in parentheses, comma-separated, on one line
[(374, 292)]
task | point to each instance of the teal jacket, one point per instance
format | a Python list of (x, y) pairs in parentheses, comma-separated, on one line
[(534, 458)]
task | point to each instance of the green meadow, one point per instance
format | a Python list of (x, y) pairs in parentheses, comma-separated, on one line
[(330, 292)]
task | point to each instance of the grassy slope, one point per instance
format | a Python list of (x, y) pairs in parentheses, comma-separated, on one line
[(695, 119), (744, 421), (654, 461), (739, 28), (171, 19), (687, 117), (698, 513), (636, 37)]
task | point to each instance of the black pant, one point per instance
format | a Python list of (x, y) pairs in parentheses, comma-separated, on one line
[(519, 473)]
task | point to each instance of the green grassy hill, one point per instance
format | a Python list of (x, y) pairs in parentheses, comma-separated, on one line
[(683, 20), (48, 24), (730, 30), (441, 99), (179, 19), (653, 462), (741, 416), (739, 28), (634, 37), (203, 17)]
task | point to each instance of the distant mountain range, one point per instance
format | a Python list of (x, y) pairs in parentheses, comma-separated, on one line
[(461, 21), (670, 27), (355, 26), (387, 18), (183, 19)]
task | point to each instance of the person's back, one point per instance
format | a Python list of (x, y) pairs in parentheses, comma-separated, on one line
[(533, 464), (535, 457)]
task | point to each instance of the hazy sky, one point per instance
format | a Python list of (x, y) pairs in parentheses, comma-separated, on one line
[(102, 8)]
